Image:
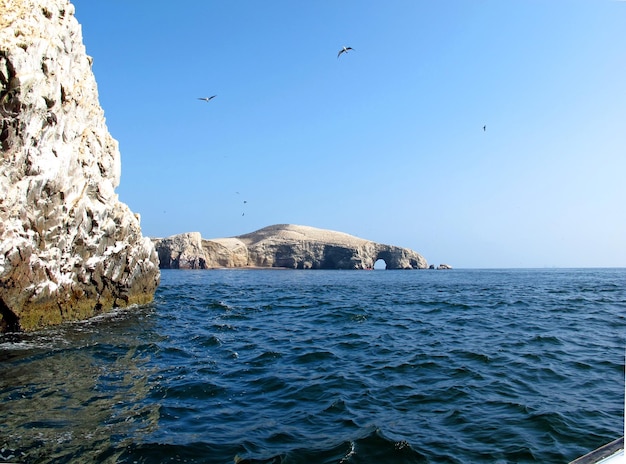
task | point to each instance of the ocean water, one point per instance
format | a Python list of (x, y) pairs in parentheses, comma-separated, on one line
[(269, 366)]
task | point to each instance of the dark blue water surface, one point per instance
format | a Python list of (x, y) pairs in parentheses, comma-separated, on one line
[(461, 366)]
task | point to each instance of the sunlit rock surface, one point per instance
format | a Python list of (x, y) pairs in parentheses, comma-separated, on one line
[(68, 247), (286, 246)]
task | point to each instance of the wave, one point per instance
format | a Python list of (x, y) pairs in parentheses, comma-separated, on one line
[(373, 446)]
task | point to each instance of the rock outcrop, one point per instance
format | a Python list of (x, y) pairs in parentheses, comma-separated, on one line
[(68, 247), (183, 251), (440, 267), (285, 246)]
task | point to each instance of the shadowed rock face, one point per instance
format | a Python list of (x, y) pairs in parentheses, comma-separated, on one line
[(286, 246), (68, 248)]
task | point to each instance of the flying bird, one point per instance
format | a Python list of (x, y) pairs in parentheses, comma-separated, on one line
[(484, 128), (344, 49), (207, 99)]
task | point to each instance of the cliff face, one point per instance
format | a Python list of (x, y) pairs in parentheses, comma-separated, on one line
[(68, 247), (284, 245), (183, 251)]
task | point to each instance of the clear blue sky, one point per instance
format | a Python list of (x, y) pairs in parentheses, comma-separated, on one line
[(385, 142)]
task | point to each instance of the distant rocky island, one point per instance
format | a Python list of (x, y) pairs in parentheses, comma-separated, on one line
[(283, 246)]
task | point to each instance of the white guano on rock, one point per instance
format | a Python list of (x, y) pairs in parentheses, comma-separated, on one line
[(68, 247)]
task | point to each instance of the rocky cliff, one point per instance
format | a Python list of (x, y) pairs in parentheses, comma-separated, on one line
[(68, 247), (284, 245)]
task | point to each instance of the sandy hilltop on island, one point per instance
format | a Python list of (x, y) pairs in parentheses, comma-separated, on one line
[(294, 233), (284, 246)]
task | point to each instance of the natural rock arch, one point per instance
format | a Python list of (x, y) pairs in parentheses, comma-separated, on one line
[(384, 256), (380, 264)]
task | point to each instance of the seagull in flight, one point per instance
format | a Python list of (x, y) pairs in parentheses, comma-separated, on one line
[(208, 99), (344, 49)]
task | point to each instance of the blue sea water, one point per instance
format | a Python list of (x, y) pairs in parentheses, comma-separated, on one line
[(268, 366)]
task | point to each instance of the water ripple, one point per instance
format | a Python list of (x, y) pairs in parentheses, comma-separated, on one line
[(331, 367)]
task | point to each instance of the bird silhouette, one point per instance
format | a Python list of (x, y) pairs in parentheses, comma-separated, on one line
[(207, 99), (344, 50), (484, 128)]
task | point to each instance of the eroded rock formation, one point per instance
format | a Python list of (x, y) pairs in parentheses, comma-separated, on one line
[(284, 245), (68, 247)]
